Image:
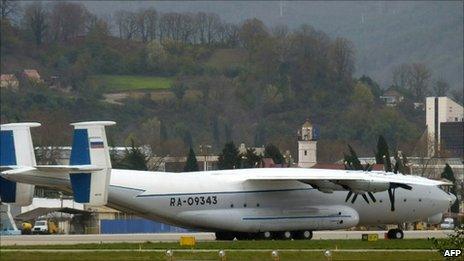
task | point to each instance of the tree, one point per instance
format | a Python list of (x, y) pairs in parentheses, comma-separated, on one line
[(229, 157), (342, 60), (133, 159), (382, 156), (252, 34), (68, 20), (401, 75), (440, 87), (271, 151), (449, 175), (35, 19), (179, 90), (352, 161), (8, 8), (419, 81), (127, 24), (191, 164), (250, 159)]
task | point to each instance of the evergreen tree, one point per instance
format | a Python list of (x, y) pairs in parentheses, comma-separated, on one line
[(250, 159), (191, 164), (449, 175), (133, 159), (382, 156), (352, 160), (271, 151), (229, 157)]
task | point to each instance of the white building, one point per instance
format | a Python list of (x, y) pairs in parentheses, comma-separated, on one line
[(307, 146), (440, 110)]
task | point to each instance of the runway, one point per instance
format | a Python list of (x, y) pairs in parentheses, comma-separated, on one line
[(172, 237)]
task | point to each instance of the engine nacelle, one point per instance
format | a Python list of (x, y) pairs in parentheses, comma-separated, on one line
[(325, 186), (365, 186)]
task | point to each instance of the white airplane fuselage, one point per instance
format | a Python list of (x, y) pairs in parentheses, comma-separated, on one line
[(226, 201)]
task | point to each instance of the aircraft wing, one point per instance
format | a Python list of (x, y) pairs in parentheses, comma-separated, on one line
[(330, 180), (352, 176)]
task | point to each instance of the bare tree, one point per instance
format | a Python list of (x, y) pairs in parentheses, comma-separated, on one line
[(35, 21), (146, 21), (402, 75), (341, 55), (9, 8), (127, 24), (68, 20), (440, 87), (419, 81)]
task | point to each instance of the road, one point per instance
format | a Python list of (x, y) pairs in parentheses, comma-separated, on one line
[(167, 237)]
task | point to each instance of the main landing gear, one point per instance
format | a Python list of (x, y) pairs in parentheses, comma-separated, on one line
[(278, 235), (395, 234)]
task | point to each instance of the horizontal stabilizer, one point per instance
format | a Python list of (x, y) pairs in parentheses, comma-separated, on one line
[(68, 168)]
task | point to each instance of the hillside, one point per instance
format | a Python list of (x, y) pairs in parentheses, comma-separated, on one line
[(385, 34)]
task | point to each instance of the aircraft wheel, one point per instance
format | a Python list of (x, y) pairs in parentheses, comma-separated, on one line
[(303, 234), (266, 235), (287, 235), (395, 234)]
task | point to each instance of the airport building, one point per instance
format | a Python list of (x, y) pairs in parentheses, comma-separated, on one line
[(445, 127)]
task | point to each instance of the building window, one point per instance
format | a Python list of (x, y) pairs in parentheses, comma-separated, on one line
[(306, 152)]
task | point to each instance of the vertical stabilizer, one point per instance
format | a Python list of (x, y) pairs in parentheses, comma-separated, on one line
[(16, 150), (90, 147)]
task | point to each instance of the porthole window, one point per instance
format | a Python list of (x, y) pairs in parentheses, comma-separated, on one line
[(420, 200), (380, 201), (257, 205), (404, 200), (231, 205), (244, 205)]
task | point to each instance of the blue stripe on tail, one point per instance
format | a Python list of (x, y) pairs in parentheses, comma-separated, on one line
[(80, 155), (7, 149), (7, 158), (80, 183)]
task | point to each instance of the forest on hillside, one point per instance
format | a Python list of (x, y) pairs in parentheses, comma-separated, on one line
[(241, 82)]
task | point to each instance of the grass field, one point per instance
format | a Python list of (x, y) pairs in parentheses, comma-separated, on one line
[(230, 255), (116, 83), (236, 250), (261, 244)]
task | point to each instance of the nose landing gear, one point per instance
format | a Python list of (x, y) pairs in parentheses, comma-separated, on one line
[(395, 234)]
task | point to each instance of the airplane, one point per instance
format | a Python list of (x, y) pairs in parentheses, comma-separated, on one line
[(259, 203)]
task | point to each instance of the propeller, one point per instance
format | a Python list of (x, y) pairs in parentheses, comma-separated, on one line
[(364, 196), (391, 192)]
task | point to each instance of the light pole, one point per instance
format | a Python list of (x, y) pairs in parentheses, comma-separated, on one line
[(205, 153)]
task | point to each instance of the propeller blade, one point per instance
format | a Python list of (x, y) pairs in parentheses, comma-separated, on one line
[(371, 195), (391, 195), (354, 198), (365, 198), (400, 185), (348, 196)]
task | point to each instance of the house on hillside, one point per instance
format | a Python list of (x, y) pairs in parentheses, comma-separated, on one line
[(392, 97), (32, 75), (9, 81)]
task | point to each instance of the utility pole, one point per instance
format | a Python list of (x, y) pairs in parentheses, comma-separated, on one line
[(204, 151)]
